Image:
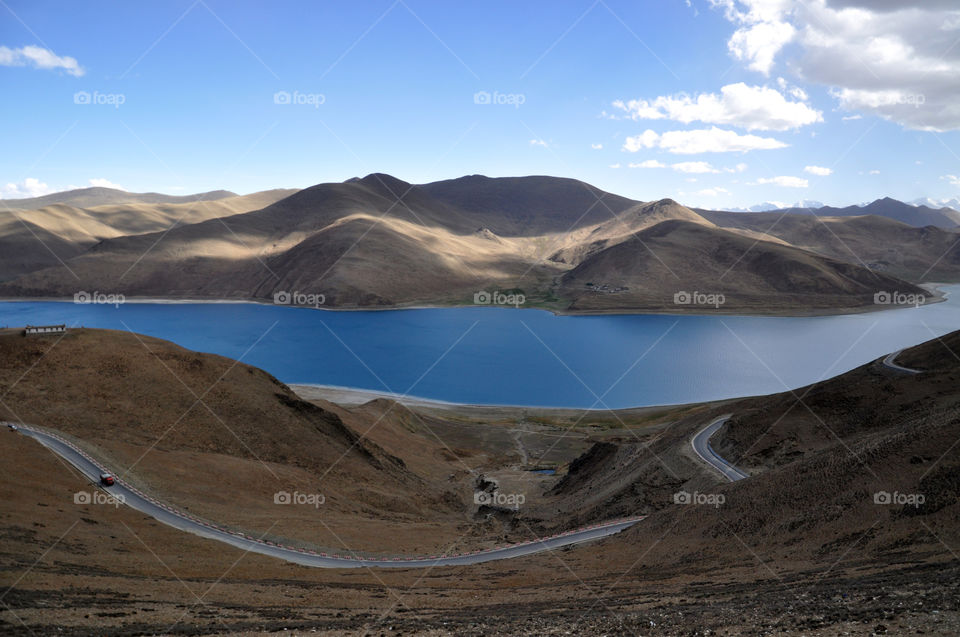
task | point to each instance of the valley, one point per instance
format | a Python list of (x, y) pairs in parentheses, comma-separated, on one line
[(408, 487)]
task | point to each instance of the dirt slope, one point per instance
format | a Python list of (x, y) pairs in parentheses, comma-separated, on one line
[(675, 256), (819, 471), (799, 548), (41, 238), (210, 433), (525, 206), (884, 245)]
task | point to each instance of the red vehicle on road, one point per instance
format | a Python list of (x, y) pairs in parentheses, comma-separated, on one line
[(106, 480)]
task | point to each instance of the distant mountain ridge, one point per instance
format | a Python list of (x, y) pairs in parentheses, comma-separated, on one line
[(916, 213), (98, 196), (768, 206), (936, 204)]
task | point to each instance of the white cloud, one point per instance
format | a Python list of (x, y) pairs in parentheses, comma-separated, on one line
[(712, 192), (749, 107), (694, 167), (818, 170), (954, 180), (758, 44), (874, 172), (762, 30), (39, 58), (538, 142), (689, 167), (640, 109), (29, 187), (596, 146), (894, 59), (105, 183), (786, 182), (617, 165), (707, 140), (848, 118), (647, 139)]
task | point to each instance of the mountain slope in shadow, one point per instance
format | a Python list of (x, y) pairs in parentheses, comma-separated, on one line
[(379, 241)]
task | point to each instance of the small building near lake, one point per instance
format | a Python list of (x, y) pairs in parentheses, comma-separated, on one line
[(44, 329)]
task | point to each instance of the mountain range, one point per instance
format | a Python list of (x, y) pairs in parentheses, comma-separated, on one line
[(100, 196), (768, 206), (953, 203), (563, 244), (943, 213)]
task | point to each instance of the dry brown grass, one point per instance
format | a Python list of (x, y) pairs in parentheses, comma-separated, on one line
[(220, 438), (801, 547)]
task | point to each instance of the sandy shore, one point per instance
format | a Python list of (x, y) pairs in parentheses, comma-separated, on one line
[(489, 414), (350, 396)]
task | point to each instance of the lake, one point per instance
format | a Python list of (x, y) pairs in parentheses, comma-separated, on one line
[(489, 355)]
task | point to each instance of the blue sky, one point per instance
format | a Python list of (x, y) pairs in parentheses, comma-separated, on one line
[(823, 98)]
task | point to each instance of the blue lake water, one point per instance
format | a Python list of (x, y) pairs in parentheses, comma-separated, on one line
[(492, 355)]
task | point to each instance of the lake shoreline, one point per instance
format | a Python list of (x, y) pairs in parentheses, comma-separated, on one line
[(938, 296), (482, 362), (351, 397)]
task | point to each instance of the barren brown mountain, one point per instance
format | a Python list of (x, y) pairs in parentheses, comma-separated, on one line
[(878, 243), (382, 242), (56, 232), (677, 256), (913, 215), (100, 196)]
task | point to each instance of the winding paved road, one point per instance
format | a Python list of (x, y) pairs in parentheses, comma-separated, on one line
[(701, 446), (701, 441), (892, 356), (186, 522)]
